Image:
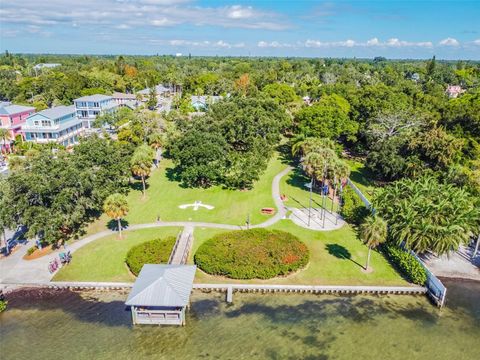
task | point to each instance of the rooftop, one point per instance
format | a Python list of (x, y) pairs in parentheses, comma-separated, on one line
[(119, 95), (57, 111), (204, 98), (96, 97), (158, 89), (162, 286), (15, 109)]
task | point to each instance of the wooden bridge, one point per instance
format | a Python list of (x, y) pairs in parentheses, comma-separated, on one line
[(182, 247)]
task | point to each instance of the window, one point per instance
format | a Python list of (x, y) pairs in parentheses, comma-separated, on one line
[(45, 123), (36, 123)]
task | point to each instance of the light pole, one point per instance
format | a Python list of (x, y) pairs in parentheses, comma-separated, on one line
[(310, 186)]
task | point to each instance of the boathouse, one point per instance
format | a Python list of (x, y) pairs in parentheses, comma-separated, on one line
[(161, 294)]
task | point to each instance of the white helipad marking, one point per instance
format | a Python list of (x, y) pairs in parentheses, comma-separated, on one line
[(196, 205)]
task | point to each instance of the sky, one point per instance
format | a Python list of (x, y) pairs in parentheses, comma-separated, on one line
[(364, 29)]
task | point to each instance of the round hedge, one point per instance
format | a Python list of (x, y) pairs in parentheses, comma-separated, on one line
[(252, 254), (150, 252)]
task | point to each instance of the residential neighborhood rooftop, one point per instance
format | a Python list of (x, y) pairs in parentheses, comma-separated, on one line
[(96, 97), (57, 111), (14, 109)]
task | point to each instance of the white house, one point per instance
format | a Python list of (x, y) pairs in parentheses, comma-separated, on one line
[(201, 103), (88, 107)]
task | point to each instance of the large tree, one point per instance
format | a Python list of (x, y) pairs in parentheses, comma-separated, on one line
[(141, 164), (329, 118), (426, 214)]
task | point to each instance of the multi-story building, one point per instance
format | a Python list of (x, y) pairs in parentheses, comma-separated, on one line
[(12, 117), (59, 124), (88, 107)]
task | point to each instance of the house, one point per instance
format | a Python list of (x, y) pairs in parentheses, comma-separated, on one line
[(88, 107), (161, 294), (201, 103), (160, 90), (454, 90), (13, 116), (59, 124), (129, 100), (46, 65)]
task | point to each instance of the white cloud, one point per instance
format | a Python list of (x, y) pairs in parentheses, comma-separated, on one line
[(273, 44), (476, 42), (449, 42), (137, 14), (375, 42), (203, 44)]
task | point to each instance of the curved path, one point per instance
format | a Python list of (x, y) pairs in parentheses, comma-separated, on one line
[(15, 270)]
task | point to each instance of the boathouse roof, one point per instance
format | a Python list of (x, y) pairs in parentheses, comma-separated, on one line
[(162, 286)]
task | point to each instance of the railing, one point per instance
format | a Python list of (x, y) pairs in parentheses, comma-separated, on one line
[(436, 290), (174, 250), (187, 249)]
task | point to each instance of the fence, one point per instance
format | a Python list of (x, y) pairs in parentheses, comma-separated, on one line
[(436, 290)]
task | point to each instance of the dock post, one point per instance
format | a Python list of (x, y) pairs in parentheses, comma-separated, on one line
[(229, 294)]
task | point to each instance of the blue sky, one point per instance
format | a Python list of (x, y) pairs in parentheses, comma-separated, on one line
[(394, 29)]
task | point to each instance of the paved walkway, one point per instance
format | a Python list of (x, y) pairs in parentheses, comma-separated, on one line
[(15, 270), (331, 222), (456, 265)]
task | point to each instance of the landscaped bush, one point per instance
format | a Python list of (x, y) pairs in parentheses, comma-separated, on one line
[(353, 209), (151, 252), (31, 250), (250, 254), (407, 264)]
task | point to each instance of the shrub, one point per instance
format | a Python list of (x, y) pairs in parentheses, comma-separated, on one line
[(249, 254), (353, 209), (151, 252), (3, 305), (31, 250), (407, 264)]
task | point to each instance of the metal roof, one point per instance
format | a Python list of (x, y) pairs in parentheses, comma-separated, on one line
[(158, 89), (162, 285), (15, 109), (96, 97), (57, 111)]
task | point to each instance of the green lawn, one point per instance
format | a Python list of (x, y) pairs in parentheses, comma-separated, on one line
[(336, 258), (164, 195), (104, 259), (293, 186), (361, 177)]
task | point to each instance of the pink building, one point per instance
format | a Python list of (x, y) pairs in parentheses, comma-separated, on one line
[(13, 116)]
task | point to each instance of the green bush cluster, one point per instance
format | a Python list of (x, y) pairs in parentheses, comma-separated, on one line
[(151, 252), (407, 264), (31, 250), (3, 305), (353, 209), (252, 254)]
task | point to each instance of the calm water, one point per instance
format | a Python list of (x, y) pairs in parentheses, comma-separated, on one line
[(72, 325)]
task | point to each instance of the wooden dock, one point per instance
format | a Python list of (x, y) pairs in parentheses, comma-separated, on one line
[(182, 247)]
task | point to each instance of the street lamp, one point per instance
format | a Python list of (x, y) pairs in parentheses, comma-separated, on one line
[(310, 186)]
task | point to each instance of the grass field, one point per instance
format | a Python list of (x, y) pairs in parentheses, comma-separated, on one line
[(104, 259), (336, 258), (293, 186), (361, 177), (164, 195)]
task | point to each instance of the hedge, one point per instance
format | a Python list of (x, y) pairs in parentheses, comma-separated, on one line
[(252, 254), (406, 263), (151, 252), (353, 209)]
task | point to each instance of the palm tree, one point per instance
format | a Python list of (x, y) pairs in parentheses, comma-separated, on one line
[(340, 171), (373, 232), (141, 163), (5, 136), (116, 207), (156, 140)]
